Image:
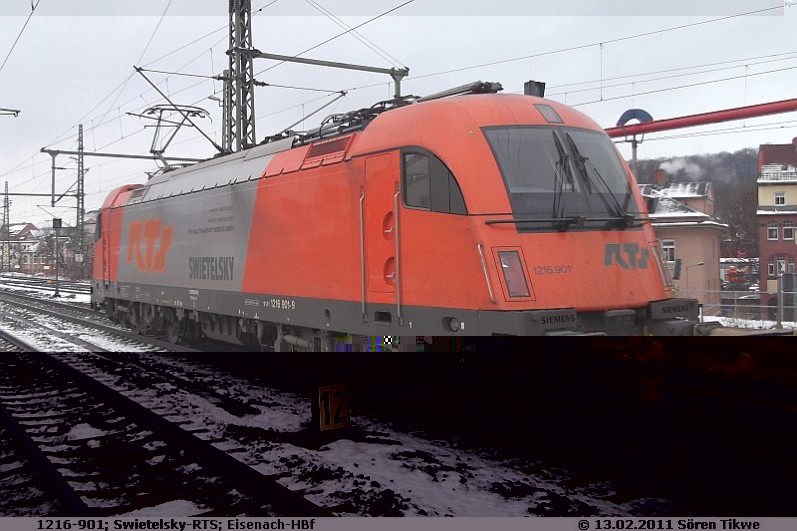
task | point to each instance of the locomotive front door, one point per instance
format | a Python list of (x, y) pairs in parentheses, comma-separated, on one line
[(381, 181)]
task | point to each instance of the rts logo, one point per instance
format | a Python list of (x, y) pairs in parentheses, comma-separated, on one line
[(149, 232), (627, 257)]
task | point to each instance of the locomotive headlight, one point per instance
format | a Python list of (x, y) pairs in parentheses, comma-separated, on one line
[(453, 324), (513, 273)]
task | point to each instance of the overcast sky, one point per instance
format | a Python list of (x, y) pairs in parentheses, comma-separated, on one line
[(74, 64)]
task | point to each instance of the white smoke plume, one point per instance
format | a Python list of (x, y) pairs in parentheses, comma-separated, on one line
[(692, 170)]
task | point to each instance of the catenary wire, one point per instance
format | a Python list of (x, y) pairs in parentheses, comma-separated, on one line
[(362, 38), (25, 25)]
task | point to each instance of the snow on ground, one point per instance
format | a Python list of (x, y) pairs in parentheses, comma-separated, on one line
[(173, 509), (736, 322), (84, 431), (393, 473), (88, 334), (84, 298), (5, 467), (54, 344)]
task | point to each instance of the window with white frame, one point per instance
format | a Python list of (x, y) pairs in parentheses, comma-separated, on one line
[(772, 230), (771, 267), (788, 230), (781, 264), (780, 198), (668, 248), (791, 264)]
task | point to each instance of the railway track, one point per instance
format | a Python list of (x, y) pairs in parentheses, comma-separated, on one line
[(343, 477), (66, 286), (28, 484), (706, 435), (88, 330), (593, 471), (22, 491), (566, 491), (11, 343), (105, 455)]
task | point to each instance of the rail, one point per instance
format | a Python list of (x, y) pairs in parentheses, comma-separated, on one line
[(72, 504), (40, 306)]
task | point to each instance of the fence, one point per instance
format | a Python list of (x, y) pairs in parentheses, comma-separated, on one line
[(760, 309)]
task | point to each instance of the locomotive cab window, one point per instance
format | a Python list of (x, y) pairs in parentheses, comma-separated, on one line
[(429, 185), (562, 172)]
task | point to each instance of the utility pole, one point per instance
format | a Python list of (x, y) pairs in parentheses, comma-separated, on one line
[(6, 231), (227, 127), (81, 213), (56, 227), (241, 76)]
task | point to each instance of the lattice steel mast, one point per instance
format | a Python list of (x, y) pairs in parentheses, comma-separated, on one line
[(81, 196), (6, 232), (239, 93)]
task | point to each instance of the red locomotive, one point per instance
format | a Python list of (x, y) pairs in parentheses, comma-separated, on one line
[(478, 214)]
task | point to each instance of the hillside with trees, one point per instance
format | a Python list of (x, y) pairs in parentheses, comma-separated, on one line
[(733, 177)]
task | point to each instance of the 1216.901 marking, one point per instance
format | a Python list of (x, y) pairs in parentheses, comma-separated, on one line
[(552, 269)]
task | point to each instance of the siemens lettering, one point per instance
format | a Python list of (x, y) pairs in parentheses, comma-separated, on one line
[(211, 267), (683, 308), (558, 319)]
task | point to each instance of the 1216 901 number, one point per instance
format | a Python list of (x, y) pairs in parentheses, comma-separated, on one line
[(72, 525), (552, 269)]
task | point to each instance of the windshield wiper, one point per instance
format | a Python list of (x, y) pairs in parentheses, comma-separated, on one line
[(563, 163), (564, 223), (583, 164), (560, 222)]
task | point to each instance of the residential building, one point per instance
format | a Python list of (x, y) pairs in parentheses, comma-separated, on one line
[(698, 196), (777, 217), (688, 234), (28, 249), (18, 250)]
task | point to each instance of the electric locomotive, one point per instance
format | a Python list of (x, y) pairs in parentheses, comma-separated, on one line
[(479, 214)]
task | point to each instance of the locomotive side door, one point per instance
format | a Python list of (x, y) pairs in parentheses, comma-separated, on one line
[(106, 248), (381, 232)]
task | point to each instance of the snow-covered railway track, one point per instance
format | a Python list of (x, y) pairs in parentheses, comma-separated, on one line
[(119, 458), (609, 428), (56, 340), (11, 343), (66, 286), (57, 326), (29, 483), (378, 469)]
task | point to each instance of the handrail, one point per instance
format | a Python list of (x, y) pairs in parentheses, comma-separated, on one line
[(362, 254), (486, 276), (398, 261)]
